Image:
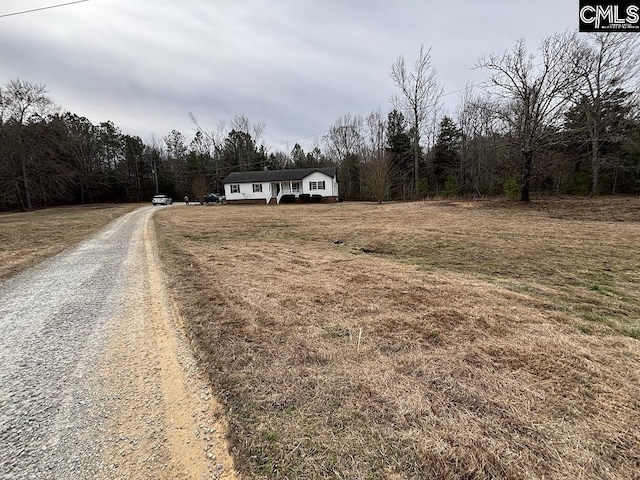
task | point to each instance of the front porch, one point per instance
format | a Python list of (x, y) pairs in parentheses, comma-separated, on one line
[(278, 189)]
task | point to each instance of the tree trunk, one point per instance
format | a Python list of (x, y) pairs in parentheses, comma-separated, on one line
[(595, 166), (25, 182), (19, 194), (416, 167), (138, 182), (527, 157), (416, 160)]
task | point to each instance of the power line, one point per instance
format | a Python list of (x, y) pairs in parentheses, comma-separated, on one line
[(469, 87), (41, 8)]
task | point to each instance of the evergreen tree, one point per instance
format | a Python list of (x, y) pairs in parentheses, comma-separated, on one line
[(239, 152), (613, 128), (446, 154), (399, 151)]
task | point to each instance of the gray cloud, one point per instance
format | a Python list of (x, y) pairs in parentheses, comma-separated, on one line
[(295, 65)]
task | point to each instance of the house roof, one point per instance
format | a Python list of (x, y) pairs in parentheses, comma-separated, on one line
[(277, 175)]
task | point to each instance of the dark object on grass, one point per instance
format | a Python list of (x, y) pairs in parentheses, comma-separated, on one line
[(214, 198)]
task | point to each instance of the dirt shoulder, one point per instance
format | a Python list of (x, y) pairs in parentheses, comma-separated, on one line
[(163, 420)]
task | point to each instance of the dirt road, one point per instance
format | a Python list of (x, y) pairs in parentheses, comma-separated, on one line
[(96, 378)]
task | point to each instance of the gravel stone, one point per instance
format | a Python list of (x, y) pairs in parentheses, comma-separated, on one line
[(82, 394)]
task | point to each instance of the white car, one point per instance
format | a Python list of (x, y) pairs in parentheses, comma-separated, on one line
[(162, 200)]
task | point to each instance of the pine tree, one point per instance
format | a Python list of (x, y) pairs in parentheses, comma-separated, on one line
[(446, 154)]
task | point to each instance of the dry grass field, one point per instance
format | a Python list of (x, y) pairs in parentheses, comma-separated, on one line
[(426, 340), (27, 238)]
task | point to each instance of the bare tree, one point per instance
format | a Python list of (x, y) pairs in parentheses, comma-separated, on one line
[(375, 131), (464, 117), (344, 138), (199, 187), (215, 138), (279, 160), (419, 98), (154, 150), (344, 145), (482, 144), (23, 102), (610, 63), (376, 173), (530, 97), (242, 124), (376, 169), (83, 150)]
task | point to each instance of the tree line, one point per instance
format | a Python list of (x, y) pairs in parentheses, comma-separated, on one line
[(563, 122)]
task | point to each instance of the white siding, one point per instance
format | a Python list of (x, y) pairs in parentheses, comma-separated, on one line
[(330, 185), (246, 191)]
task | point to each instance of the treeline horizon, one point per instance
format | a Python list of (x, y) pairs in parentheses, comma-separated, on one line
[(565, 123)]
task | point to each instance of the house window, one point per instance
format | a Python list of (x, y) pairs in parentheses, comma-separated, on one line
[(257, 187), (321, 185), (316, 185), (295, 186), (235, 188)]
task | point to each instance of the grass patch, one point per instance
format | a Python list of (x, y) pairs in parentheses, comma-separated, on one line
[(456, 348), (585, 329), (195, 238), (27, 238), (337, 331), (632, 332)]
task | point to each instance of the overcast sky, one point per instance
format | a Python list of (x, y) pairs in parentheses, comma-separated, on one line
[(296, 65)]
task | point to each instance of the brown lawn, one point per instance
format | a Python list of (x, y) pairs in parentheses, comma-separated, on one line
[(423, 340), (27, 238)]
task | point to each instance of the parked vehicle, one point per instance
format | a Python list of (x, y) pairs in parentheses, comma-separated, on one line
[(162, 199), (214, 198)]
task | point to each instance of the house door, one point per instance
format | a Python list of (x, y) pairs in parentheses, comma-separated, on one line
[(275, 188)]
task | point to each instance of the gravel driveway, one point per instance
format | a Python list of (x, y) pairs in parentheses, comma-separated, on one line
[(96, 379)]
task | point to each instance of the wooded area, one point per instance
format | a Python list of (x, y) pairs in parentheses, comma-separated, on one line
[(566, 121)]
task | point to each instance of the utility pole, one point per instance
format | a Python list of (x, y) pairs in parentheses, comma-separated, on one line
[(154, 170)]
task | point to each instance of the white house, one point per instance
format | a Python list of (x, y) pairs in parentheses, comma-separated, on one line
[(269, 186)]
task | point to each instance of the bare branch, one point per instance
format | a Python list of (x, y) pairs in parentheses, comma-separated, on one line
[(529, 97), (419, 97)]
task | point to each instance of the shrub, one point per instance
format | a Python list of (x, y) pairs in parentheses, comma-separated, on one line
[(451, 187), (423, 187), (581, 184), (289, 198), (305, 197), (316, 198), (511, 189)]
